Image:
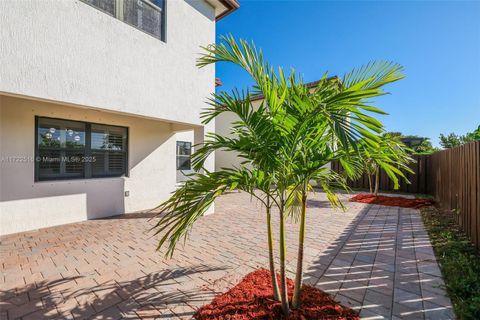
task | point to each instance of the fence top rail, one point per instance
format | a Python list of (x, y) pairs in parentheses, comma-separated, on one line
[(457, 148)]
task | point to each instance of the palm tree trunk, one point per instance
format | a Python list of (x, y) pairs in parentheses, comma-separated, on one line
[(377, 181), (283, 255), (276, 294), (299, 274), (370, 183)]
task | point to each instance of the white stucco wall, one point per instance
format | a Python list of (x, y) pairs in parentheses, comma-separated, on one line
[(93, 67), (223, 125), (26, 205), (68, 51)]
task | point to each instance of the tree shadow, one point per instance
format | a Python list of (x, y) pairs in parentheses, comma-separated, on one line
[(382, 265), (163, 295), (315, 203)]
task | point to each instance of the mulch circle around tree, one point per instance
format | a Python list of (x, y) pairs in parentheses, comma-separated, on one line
[(252, 298), (392, 201)]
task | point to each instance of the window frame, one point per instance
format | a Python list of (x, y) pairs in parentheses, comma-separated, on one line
[(87, 170), (119, 15), (182, 155)]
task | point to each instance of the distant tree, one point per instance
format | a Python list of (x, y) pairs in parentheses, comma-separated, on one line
[(425, 147), (453, 140), (395, 135), (418, 144), (391, 155), (475, 135)]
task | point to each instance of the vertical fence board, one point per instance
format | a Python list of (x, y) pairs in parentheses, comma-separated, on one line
[(452, 176)]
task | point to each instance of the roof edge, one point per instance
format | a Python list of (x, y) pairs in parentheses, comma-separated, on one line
[(231, 6)]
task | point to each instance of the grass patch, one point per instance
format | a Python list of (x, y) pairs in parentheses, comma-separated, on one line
[(458, 259)]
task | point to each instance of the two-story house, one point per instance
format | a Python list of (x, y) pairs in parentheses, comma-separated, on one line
[(99, 103)]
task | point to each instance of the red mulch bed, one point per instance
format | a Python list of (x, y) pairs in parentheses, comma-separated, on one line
[(392, 201), (252, 298)]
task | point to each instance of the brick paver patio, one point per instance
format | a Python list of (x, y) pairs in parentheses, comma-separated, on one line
[(376, 259)]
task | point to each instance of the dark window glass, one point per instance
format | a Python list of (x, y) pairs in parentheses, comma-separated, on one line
[(109, 149), (74, 164), (108, 164), (108, 138), (184, 152), (49, 163), (61, 146), (61, 134), (107, 6), (63, 151)]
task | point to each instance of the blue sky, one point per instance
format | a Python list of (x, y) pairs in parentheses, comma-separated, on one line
[(438, 43)]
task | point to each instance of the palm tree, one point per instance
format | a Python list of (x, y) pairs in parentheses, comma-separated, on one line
[(285, 143), (391, 156), (255, 143), (330, 119)]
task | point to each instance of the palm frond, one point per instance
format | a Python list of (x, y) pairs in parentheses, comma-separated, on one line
[(186, 205), (373, 75)]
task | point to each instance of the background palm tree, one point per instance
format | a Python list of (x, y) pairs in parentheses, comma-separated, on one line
[(391, 156)]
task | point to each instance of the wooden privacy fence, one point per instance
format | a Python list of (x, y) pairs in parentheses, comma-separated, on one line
[(451, 176), (418, 183), (453, 179)]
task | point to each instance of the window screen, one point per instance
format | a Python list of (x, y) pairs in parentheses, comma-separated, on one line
[(68, 149), (107, 6), (184, 152), (146, 15)]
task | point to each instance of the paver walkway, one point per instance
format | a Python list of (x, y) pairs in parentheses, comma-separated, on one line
[(376, 259)]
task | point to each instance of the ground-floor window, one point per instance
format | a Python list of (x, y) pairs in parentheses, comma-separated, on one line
[(184, 152), (66, 149)]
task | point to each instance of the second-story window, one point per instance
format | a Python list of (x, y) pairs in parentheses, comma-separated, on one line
[(146, 15)]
